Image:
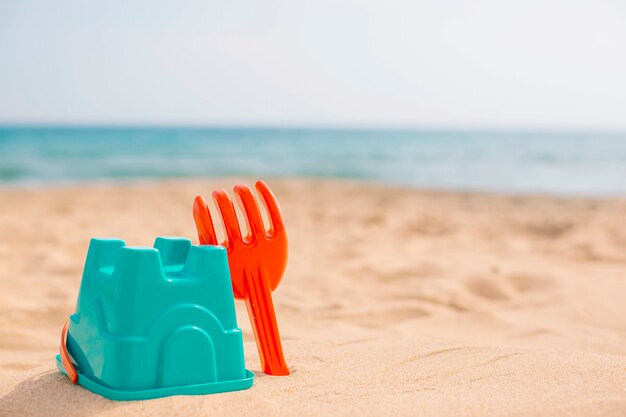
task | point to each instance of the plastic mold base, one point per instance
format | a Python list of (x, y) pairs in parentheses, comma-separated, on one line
[(198, 389)]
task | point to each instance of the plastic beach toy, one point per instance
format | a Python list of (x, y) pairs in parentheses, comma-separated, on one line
[(257, 262), (154, 322)]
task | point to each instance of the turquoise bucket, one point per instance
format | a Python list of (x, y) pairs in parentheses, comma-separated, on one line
[(155, 322)]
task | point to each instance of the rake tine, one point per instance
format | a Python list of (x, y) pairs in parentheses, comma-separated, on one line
[(204, 223), (271, 205), (229, 218), (250, 208)]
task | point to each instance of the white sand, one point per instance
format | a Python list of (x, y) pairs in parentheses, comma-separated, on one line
[(394, 302)]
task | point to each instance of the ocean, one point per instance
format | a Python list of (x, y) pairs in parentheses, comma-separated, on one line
[(588, 164)]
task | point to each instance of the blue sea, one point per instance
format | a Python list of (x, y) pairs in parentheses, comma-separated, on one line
[(589, 164)]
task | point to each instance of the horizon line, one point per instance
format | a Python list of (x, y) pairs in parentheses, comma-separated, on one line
[(314, 127)]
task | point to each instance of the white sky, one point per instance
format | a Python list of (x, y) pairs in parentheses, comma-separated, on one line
[(295, 62)]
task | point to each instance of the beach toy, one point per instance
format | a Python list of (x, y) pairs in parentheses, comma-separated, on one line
[(257, 262), (154, 322)]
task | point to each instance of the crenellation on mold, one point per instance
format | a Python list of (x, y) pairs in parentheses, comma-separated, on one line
[(173, 250), (103, 253)]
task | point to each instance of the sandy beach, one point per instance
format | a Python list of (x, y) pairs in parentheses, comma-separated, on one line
[(395, 301)]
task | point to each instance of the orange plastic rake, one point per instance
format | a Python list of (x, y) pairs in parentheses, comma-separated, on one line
[(257, 262)]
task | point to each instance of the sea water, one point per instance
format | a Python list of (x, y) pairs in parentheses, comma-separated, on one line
[(564, 163)]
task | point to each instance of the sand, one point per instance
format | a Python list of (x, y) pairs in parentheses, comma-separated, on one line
[(395, 301)]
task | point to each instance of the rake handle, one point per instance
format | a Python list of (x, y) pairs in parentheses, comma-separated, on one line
[(263, 320)]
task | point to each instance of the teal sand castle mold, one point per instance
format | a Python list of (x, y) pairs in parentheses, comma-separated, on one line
[(154, 322)]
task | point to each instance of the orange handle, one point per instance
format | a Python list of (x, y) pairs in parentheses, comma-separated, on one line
[(263, 319), (65, 356)]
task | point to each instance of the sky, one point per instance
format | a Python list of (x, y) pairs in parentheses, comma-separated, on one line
[(452, 64)]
